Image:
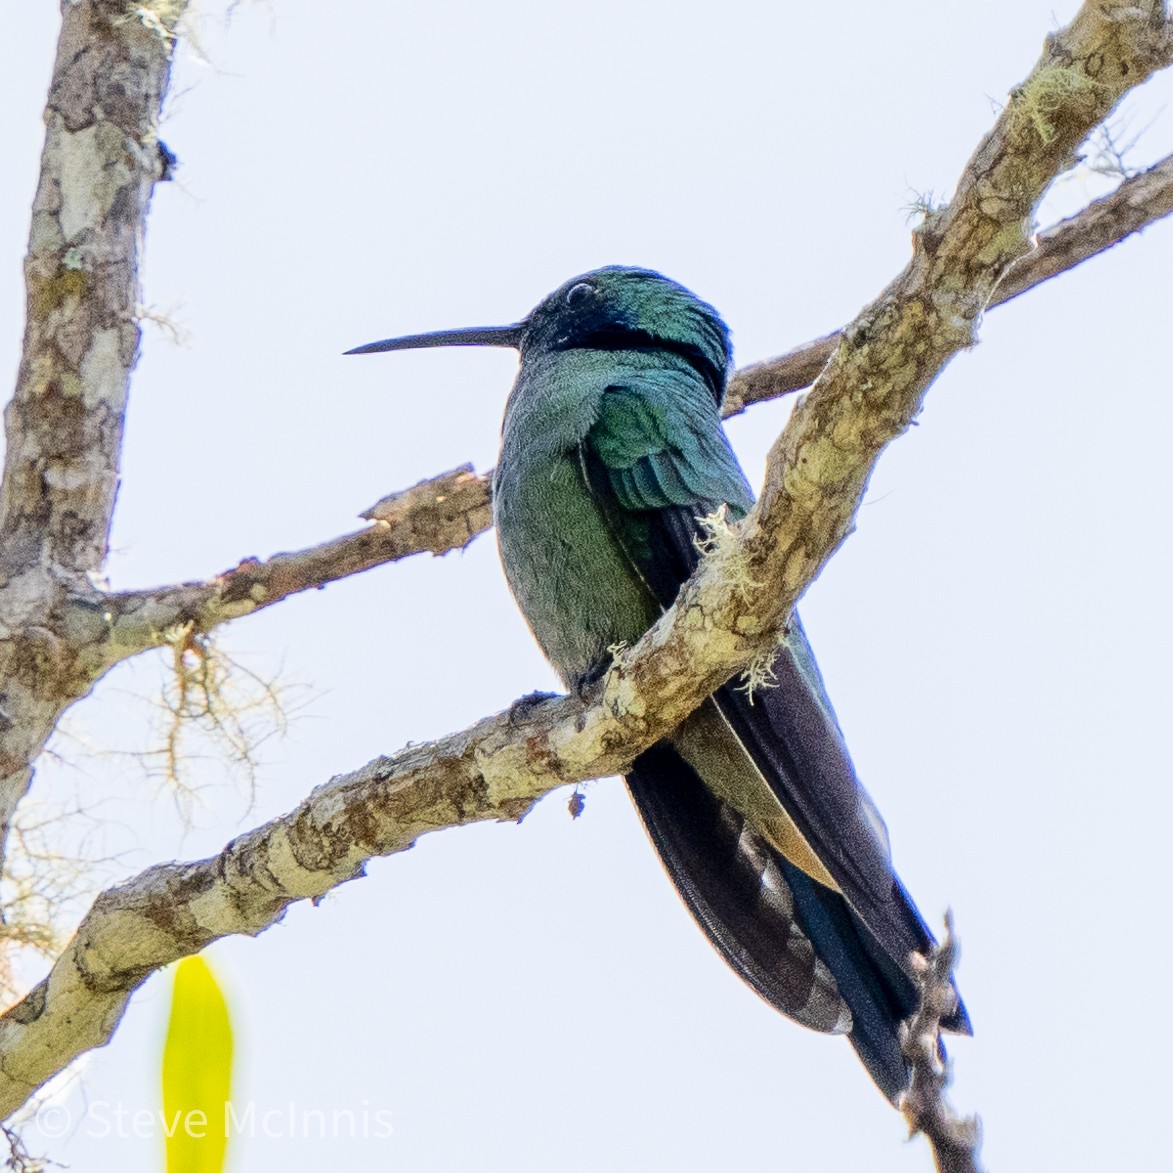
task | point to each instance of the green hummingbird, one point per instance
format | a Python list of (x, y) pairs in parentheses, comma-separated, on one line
[(612, 453)]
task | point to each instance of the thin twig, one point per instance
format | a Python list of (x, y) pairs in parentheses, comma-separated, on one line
[(955, 1140)]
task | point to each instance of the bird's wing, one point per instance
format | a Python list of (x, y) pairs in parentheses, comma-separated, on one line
[(738, 889), (656, 459)]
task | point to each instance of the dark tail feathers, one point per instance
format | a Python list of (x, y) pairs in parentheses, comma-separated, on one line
[(796, 942)]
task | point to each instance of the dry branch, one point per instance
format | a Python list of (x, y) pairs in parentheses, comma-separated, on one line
[(496, 770), (440, 514), (955, 1140), (867, 395)]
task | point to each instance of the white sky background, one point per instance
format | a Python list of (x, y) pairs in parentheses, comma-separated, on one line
[(996, 636)]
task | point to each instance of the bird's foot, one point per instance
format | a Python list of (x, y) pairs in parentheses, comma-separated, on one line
[(587, 685), (522, 708)]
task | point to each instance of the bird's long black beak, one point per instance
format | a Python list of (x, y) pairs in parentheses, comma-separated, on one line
[(473, 336)]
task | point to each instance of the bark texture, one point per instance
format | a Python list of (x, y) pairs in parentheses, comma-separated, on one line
[(101, 160)]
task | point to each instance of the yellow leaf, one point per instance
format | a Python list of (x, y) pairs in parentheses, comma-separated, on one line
[(197, 1071)]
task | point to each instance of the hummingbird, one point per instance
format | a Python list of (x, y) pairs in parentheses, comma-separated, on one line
[(613, 456)]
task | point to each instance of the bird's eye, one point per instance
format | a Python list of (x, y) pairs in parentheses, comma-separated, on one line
[(577, 293)]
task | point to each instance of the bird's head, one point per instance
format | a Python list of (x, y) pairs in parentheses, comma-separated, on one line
[(614, 308)]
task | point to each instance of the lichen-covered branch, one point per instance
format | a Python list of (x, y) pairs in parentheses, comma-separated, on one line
[(1139, 201), (955, 1140), (496, 770), (873, 387), (100, 162), (58, 633), (866, 396)]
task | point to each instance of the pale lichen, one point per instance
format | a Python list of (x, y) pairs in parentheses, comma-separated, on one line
[(759, 676), (95, 170), (160, 17), (719, 544), (1050, 91), (620, 696)]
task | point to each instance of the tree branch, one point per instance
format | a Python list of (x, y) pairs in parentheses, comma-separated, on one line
[(495, 770), (1138, 202), (955, 1140), (816, 476), (99, 166), (873, 387), (440, 514), (100, 162), (66, 643)]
